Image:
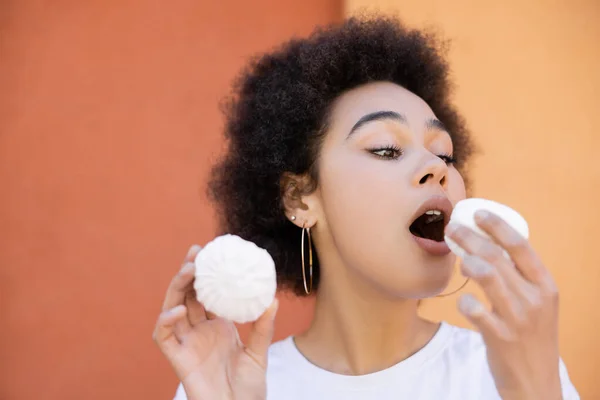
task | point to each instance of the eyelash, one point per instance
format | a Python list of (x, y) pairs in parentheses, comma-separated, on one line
[(447, 158), (397, 152)]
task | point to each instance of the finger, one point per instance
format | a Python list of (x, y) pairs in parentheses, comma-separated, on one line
[(192, 253), (196, 312), (518, 247), (179, 286), (472, 242), (485, 248), (211, 315), (520, 294), (261, 334), (489, 324), (164, 331), (504, 302)]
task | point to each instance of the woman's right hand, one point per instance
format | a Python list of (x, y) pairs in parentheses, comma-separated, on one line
[(205, 351)]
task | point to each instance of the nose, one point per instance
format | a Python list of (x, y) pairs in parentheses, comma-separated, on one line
[(433, 171)]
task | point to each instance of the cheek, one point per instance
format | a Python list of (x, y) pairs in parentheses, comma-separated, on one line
[(364, 201), (456, 186), (360, 188)]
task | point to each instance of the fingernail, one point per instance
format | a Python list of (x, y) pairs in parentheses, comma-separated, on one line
[(470, 305), (188, 267), (476, 267), (195, 248), (452, 227), (176, 309), (482, 215), (482, 270)]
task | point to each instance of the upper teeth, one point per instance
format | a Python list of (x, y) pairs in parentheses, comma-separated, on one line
[(433, 212)]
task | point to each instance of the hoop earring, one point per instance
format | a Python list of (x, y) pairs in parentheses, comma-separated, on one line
[(455, 291), (307, 288)]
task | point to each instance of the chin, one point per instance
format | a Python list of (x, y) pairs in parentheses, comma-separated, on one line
[(414, 278), (421, 288), (435, 281)]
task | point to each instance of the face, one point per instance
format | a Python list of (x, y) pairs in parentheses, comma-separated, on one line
[(385, 161)]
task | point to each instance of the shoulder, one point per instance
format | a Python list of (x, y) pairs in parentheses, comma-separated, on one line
[(467, 353), (465, 344), (281, 353)]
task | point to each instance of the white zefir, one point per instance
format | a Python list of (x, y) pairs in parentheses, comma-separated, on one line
[(464, 214), (235, 279)]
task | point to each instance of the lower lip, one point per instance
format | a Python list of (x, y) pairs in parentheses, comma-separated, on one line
[(432, 247)]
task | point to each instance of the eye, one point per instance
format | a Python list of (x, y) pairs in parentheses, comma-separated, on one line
[(447, 158), (388, 152)]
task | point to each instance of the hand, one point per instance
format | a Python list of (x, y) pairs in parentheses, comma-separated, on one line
[(521, 329), (205, 351)]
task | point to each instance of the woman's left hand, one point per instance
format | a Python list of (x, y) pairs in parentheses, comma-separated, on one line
[(521, 329)]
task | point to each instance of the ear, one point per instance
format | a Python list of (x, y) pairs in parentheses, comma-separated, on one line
[(300, 199)]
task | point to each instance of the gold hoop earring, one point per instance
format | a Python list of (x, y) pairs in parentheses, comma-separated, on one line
[(455, 291), (307, 288)]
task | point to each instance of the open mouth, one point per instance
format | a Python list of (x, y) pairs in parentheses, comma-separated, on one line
[(430, 225)]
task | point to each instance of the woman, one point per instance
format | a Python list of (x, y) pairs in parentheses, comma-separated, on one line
[(348, 140)]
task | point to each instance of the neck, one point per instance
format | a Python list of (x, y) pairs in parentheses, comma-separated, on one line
[(358, 330)]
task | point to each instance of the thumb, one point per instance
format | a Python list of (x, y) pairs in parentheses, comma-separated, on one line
[(261, 333)]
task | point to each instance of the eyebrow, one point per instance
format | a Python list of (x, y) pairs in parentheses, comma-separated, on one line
[(436, 124), (381, 115), (377, 116)]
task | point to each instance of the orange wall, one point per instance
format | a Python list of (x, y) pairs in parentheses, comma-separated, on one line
[(529, 85), (108, 125)]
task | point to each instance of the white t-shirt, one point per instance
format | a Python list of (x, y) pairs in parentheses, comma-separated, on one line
[(452, 366)]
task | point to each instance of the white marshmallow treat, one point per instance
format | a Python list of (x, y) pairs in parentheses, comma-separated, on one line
[(464, 214), (235, 279)]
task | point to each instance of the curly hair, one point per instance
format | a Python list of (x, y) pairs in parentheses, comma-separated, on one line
[(277, 115)]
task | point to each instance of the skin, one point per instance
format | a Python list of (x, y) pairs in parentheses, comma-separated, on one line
[(372, 271), (360, 289)]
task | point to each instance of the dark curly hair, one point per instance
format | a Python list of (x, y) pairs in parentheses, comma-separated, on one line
[(277, 115)]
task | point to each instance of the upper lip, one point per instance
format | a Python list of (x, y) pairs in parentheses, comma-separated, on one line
[(440, 203)]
